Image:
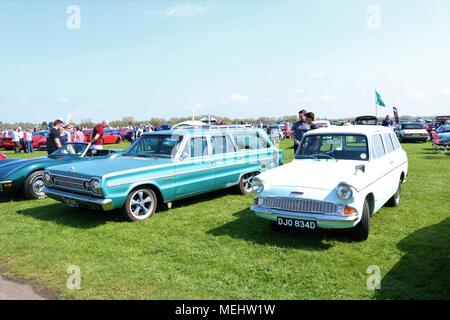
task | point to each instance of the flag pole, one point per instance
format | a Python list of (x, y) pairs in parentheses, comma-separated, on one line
[(376, 101)]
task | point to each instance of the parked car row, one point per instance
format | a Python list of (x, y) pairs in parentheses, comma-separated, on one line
[(347, 174), (39, 141)]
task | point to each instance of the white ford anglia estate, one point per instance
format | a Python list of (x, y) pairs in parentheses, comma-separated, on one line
[(339, 178)]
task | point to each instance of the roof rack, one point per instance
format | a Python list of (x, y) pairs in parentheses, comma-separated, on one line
[(215, 127)]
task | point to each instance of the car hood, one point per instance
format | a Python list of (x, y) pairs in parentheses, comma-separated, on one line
[(9, 166), (315, 174), (109, 166)]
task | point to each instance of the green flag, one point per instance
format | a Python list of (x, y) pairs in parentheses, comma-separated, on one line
[(378, 100)]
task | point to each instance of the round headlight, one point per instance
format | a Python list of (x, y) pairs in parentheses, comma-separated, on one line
[(95, 185), (47, 178), (344, 191), (257, 185)]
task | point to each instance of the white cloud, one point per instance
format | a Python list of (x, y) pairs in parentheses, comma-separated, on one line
[(445, 92), (306, 99), (416, 96), (327, 99), (299, 91), (316, 75), (236, 97), (186, 10), (63, 99)]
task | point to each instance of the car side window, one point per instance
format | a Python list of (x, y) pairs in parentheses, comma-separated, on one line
[(388, 142), (221, 144), (395, 141), (377, 146), (250, 141), (199, 147)]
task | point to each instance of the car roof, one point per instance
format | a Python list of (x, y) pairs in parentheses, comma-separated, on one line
[(190, 131), (353, 129)]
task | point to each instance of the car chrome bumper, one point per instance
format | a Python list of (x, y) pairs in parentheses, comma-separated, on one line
[(8, 189), (79, 200), (325, 221)]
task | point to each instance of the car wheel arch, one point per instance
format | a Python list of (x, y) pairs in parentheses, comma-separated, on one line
[(371, 201), (153, 187)]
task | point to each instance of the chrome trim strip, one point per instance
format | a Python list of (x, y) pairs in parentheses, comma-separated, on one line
[(320, 217), (180, 173), (104, 204), (3, 182)]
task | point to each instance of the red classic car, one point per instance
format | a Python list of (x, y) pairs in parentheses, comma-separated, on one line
[(109, 137), (7, 142), (39, 137)]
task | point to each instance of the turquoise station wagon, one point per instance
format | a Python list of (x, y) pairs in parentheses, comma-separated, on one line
[(164, 166)]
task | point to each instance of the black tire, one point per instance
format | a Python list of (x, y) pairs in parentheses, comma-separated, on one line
[(245, 183), (394, 201), (361, 230), (33, 185), (118, 141), (140, 200)]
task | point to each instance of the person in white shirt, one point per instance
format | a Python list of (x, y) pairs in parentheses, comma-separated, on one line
[(17, 136), (29, 140)]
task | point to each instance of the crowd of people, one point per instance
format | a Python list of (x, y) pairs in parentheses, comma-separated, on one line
[(60, 134)]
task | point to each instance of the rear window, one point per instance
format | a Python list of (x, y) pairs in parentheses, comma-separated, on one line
[(250, 141), (412, 126)]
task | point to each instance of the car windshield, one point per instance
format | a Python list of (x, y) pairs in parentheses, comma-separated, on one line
[(443, 129), (164, 146), (334, 146), (70, 149), (41, 133), (366, 121), (412, 126)]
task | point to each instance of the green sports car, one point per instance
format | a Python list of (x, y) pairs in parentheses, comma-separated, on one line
[(24, 176)]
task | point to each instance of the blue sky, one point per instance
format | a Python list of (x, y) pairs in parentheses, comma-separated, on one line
[(232, 58)]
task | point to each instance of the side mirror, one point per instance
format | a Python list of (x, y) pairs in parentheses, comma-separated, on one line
[(184, 156), (360, 167)]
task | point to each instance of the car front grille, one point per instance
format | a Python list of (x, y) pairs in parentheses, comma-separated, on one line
[(64, 182), (300, 205)]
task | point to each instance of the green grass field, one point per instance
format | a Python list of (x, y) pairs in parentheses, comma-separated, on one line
[(213, 247)]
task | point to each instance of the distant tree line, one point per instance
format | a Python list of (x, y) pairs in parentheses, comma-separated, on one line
[(130, 121)]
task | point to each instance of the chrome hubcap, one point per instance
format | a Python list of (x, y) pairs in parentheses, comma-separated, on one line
[(38, 186), (141, 203), (247, 182)]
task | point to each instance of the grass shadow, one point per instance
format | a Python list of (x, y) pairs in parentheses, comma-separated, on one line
[(83, 218), (11, 198), (248, 227), (209, 196), (72, 217), (423, 272)]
